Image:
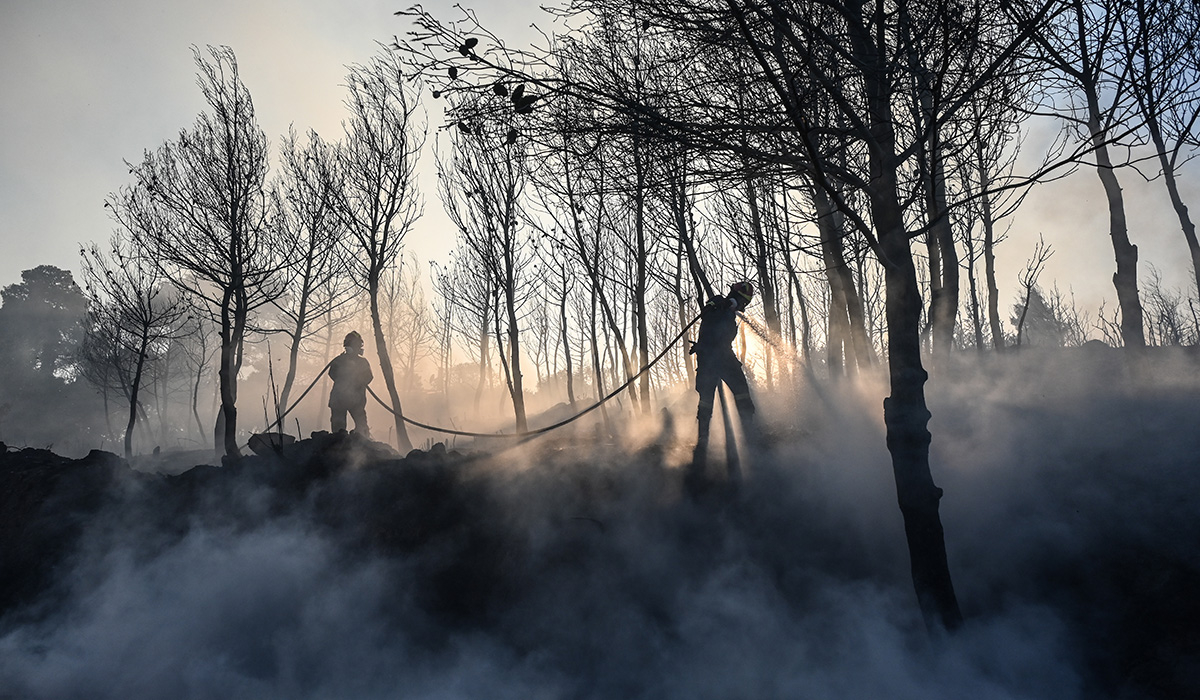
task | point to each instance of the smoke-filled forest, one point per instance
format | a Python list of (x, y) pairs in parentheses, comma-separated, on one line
[(718, 392)]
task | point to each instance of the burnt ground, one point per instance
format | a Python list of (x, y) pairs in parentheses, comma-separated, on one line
[(336, 568)]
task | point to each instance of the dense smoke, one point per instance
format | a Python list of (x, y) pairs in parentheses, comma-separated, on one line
[(577, 568)]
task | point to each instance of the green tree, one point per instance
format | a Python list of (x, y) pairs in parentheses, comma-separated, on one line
[(41, 328), (40, 324)]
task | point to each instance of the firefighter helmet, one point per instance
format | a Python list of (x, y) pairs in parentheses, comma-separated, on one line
[(353, 339), (742, 291)]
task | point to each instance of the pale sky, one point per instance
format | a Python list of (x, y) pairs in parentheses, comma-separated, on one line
[(87, 85)]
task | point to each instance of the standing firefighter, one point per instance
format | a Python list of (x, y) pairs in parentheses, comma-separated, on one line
[(716, 363), (351, 373)]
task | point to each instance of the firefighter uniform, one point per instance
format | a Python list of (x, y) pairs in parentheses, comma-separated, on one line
[(716, 362), (351, 373)]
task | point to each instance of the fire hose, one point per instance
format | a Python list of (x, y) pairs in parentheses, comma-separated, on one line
[(523, 434), (278, 421), (561, 423)]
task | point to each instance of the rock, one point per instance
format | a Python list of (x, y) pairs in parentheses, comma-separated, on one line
[(267, 444), (51, 506), (46, 502)]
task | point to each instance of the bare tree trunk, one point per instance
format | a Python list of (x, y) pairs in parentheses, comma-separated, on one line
[(1024, 313), (616, 334), (161, 399), (326, 352), (617, 377), (832, 228), (907, 417), (196, 391), (989, 263), (566, 341), (295, 337), (943, 304), (686, 254), (860, 339), (935, 276), (447, 342), (597, 370), (837, 344), (1125, 278), (681, 306), (805, 325), (385, 364), (839, 357), (483, 361), (639, 280), (591, 265), (905, 414), (704, 290), (783, 227), (290, 378), (976, 317), (133, 396), (1181, 210), (791, 315), (516, 386), (765, 282), (504, 366), (864, 350), (232, 327), (107, 414)]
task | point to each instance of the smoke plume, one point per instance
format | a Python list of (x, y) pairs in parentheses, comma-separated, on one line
[(578, 568)]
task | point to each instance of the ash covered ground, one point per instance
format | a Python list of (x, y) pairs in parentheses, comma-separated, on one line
[(575, 567)]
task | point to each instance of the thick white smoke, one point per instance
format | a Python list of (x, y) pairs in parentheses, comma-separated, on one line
[(1069, 514)]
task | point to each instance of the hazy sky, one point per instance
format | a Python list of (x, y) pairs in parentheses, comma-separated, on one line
[(87, 85)]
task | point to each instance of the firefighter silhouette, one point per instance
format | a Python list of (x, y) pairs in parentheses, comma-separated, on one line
[(351, 373), (716, 363)]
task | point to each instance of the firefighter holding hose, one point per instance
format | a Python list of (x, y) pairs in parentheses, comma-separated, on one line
[(716, 362), (351, 373)]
